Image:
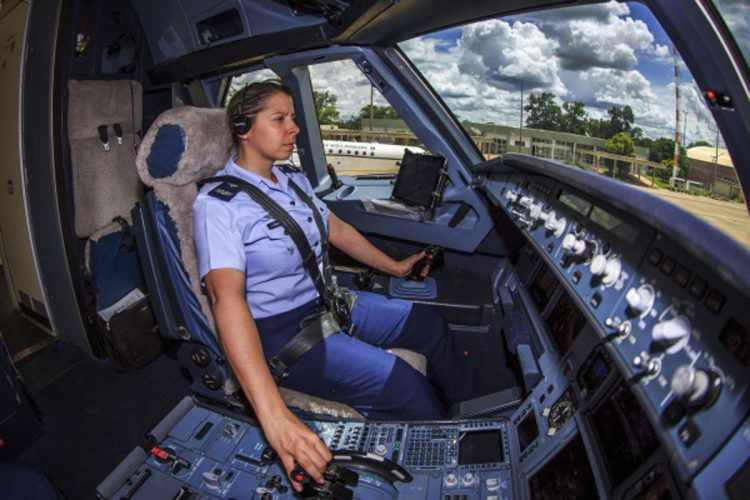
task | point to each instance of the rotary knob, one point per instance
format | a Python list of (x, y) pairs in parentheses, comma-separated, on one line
[(557, 226), (450, 480), (468, 479), (526, 201), (598, 265), (573, 245), (695, 387), (672, 334), (537, 213), (640, 300), (511, 196), (381, 449), (607, 269)]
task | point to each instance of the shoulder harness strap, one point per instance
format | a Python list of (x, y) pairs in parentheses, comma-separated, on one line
[(235, 184)]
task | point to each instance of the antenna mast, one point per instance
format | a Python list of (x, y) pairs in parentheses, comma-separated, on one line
[(676, 166)]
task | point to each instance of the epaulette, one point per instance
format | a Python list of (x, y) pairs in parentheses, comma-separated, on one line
[(289, 168), (225, 191)]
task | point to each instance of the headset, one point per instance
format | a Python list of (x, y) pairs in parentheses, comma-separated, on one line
[(241, 122)]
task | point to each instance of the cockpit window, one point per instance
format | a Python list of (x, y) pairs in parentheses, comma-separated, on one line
[(355, 118), (736, 15), (594, 87)]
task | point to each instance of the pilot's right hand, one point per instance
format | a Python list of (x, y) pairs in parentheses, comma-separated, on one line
[(294, 442)]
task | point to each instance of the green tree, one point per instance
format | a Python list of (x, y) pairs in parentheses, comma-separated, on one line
[(574, 118), (637, 134), (597, 128), (621, 144), (699, 143), (620, 119), (379, 112), (325, 105), (661, 149), (543, 112), (351, 123)]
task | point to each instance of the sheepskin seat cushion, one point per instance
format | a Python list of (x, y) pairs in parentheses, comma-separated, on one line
[(104, 183)]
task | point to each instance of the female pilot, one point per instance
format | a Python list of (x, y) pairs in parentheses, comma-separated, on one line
[(260, 292)]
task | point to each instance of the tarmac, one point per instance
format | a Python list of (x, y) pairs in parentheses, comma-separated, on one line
[(730, 217)]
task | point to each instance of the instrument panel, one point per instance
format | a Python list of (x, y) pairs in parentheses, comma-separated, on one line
[(201, 452), (674, 329)]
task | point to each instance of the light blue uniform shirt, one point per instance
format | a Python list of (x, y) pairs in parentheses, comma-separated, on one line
[(239, 234)]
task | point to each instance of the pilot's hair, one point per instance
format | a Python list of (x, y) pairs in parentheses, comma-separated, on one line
[(251, 100)]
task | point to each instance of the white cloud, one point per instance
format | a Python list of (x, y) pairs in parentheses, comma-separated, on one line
[(344, 80), (736, 14), (589, 54), (508, 56)]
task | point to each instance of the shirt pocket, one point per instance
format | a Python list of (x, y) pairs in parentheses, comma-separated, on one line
[(274, 238), (271, 253)]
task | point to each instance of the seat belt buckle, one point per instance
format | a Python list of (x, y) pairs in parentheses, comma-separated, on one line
[(279, 370)]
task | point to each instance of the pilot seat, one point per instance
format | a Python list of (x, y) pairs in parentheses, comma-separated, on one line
[(183, 146)]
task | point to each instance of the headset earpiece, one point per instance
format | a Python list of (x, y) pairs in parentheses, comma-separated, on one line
[(240, 125), (241, 122)]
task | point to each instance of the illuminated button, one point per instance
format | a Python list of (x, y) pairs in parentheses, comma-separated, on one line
[(714, 301), (655, 256), (698, 288), (667, 267), (682, 276)]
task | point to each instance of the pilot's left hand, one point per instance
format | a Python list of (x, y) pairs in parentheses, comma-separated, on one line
[(404, 267)]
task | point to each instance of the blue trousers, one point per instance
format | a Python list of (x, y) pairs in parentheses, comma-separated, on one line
[(357, 370)]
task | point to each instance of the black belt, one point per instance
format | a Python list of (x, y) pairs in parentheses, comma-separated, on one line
[(314, 329)]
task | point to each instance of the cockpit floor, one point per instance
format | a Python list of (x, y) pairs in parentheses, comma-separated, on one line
[(94, 415)]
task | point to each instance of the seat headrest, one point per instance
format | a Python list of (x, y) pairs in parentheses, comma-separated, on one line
[(184, 145)]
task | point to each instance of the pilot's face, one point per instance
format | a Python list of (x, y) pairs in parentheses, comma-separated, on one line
[(272, 135)]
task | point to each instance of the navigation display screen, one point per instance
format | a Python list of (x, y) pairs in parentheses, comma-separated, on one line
[(528, 431), (625, 435), (565, 322), (543, 287), (482, 447), (655, 485), (568, 475), (575, 203), (614, 225)]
